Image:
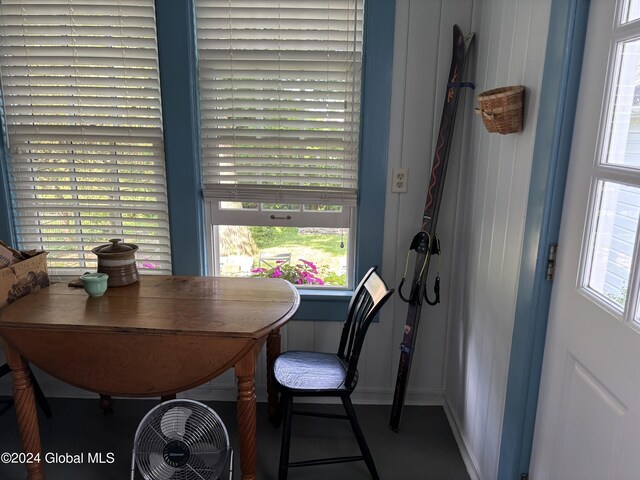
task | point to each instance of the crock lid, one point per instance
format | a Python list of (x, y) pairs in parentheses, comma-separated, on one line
[(115, 247)]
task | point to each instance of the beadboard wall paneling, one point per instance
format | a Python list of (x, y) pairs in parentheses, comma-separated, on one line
[(492, 197), (419, 83)]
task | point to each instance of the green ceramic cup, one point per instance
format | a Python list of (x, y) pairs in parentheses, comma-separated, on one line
[(95, 284)]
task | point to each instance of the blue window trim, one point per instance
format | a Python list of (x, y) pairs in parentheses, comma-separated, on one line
[(374, 125), (7, 224), (328, 305), (559, 96), (177, 54)]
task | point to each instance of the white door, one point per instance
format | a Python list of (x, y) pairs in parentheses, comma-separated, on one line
[(588, 420)]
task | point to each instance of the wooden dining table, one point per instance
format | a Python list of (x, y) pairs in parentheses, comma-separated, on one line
[(154, 338)]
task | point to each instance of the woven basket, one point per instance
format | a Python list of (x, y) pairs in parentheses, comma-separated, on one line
[(502, 109)]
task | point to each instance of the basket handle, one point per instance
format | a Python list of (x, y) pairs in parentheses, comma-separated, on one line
[(484, 113)]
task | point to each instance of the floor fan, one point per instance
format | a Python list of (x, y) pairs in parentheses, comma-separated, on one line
[(182, 440)]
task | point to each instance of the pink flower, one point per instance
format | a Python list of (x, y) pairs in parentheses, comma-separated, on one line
[(304, 272), (309, 264)]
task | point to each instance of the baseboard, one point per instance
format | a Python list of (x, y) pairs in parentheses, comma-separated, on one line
[(469, 460), (361, 396), (228, 393)]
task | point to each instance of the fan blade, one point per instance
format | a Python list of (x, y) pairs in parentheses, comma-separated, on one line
[(158, 469), (207, 451), (208, 457), (174, 421)]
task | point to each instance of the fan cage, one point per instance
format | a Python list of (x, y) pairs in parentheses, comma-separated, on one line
[(181, 440)]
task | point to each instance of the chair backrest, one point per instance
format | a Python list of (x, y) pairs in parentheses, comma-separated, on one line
[(367, 300), (272, 260)]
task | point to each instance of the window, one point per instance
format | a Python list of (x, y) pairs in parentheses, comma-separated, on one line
[(83, 124), (279, 115), (610, 267)]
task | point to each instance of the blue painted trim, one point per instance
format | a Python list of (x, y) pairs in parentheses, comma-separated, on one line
[(7, 221), (374, 126), (379, 23), (322, 306), (177, 54), (559, 94)]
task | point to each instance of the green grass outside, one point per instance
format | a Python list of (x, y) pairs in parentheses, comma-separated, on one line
[(270, 237), (324, 250)]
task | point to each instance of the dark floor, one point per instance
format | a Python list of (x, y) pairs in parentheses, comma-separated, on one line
[(423, 449)]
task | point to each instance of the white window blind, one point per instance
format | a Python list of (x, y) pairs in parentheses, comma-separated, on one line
[(82, 114), (280, 99)]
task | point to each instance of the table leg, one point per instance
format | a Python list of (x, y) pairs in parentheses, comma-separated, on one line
[(106, 403), (273, 350), (25, 404), (245, 372)]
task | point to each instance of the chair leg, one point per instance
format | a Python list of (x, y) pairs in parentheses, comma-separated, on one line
[(287, 410), (6, 406), (276, 418), (355, 426)]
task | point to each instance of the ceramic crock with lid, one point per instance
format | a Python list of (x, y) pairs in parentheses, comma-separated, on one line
[(117, 259)]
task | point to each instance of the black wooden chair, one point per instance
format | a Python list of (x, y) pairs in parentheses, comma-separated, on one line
[(315, 374)]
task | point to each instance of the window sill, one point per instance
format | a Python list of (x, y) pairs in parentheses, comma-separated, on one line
[(327, 305)]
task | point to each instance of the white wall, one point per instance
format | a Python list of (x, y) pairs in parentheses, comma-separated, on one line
[(492, 201), (422, 57)]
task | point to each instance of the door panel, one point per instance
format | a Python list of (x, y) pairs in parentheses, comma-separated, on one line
[(588, 420), (593, 444)]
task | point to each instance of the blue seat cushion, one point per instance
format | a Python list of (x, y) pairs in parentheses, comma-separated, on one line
[(310, 372)]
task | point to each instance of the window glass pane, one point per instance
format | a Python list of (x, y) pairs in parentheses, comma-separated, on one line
[(267, 207), (631, 11), (238, 206), (612, 241), (302, 255), (323, 208), (623, 146), (284, 207)]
